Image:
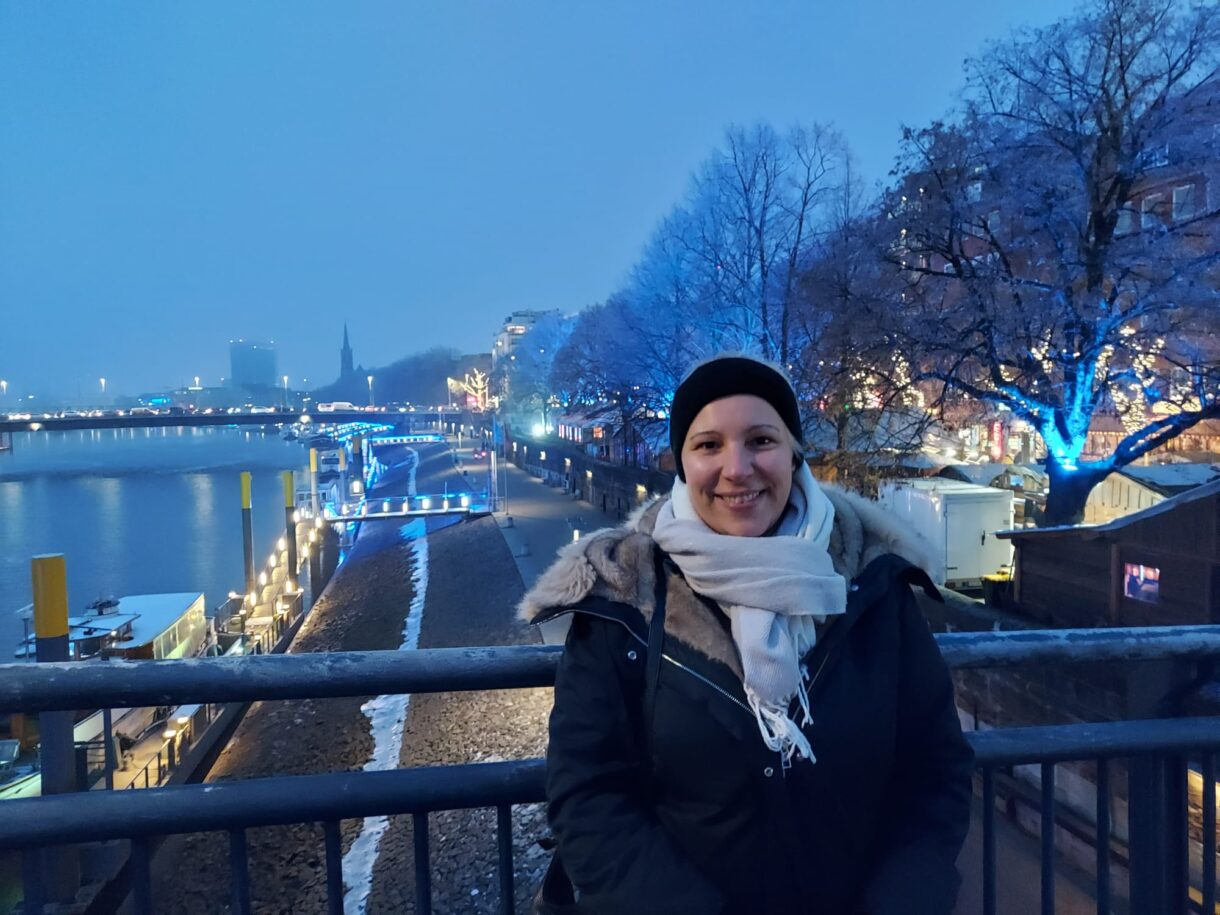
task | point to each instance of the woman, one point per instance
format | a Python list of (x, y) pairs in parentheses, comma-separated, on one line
[(801, 751)]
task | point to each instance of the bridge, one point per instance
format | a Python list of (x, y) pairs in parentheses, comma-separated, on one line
[(276, 416)]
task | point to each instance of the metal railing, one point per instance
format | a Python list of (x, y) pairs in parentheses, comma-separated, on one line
[(1158, 750)]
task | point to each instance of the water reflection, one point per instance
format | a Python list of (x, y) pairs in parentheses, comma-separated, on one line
[(135, 513)]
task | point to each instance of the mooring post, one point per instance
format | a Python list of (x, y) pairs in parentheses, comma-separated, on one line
[(290, 529), (247, 538), (358, 457), (313, 480), (342, 476), (315, 562), (58, 754)]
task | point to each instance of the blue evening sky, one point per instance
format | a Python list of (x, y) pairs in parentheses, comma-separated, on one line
[(174, 174)]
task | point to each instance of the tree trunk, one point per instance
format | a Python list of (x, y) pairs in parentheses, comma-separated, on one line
[(1069, 490)]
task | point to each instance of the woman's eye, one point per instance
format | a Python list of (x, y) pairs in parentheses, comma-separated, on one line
[(764, 440)]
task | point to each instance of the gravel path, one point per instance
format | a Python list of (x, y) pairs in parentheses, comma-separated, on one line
[(472, 590), (464, 609)]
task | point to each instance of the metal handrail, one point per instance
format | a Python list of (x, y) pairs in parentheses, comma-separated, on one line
[(286, 799), (1155, 750), (133, 684)]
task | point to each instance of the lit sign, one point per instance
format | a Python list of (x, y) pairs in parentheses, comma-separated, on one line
[(1142, 582)]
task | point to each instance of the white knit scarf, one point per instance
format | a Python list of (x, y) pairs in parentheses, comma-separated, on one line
[(773, 589)]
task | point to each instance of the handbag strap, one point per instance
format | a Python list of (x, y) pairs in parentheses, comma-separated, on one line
[(656, 642), (557, 895)]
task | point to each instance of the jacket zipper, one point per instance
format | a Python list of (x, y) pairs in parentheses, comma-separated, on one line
[(699, 676), (678, 664), (706, 681)]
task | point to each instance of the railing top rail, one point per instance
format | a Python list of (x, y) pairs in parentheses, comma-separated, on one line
[(129, 684), (135, 684), (1010, 648), (278, 800)]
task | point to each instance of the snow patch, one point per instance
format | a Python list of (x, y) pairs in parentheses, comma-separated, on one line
[(387, 718)]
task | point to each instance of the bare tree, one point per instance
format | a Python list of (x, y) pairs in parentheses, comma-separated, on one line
[(1058, 239), (526, 373), (865, 411)]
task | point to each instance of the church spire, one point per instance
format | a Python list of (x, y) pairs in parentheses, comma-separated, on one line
[(346, 365)]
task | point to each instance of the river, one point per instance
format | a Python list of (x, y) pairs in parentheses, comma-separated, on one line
[(136, 511)]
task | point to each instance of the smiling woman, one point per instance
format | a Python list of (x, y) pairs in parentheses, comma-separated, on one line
[(736, 454), (788, 742)]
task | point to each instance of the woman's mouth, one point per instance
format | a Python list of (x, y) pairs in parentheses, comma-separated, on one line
[(739, 499)]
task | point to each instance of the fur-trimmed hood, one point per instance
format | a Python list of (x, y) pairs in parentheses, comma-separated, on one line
[(616, 564)]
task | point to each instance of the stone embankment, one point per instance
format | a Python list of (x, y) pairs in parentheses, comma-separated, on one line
[(472, 589)]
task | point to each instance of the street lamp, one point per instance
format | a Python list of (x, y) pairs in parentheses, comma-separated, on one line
[(285, 378), (370, 390), (102, 382), (3, 388)]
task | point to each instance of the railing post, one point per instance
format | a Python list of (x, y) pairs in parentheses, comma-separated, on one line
[(108, 747), (1156, 812), (1157, 824)]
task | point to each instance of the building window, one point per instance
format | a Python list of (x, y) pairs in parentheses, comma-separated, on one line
[(1126, 221), (974, 191), (1183, 203), (1153, 157), (1142, 582), (1150, 211)]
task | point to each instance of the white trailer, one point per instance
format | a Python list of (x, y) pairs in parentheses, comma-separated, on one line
[(959, 521)]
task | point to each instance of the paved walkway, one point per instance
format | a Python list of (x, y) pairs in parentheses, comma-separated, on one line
[(540, 520)]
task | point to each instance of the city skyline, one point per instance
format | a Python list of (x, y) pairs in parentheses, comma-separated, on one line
[(175, 178)]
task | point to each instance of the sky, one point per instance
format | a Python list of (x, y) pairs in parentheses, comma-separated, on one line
[(176, 175)]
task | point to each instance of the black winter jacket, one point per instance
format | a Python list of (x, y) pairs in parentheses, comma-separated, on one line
[(699, 815)]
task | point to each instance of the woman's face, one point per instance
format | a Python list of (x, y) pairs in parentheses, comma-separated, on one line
[(738, 462)]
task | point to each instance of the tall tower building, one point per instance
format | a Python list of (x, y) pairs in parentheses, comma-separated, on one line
[(252, 364), (346, 366)]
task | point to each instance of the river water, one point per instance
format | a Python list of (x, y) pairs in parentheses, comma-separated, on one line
[(136, 511)]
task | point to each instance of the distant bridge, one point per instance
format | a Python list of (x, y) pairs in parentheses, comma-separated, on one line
[(277, 417)]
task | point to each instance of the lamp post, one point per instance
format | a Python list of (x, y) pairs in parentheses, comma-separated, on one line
[(370, 379), (3, 388), (285, 380), (102, 382)]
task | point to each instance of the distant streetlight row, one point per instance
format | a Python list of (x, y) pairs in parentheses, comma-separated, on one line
[(102, 383)]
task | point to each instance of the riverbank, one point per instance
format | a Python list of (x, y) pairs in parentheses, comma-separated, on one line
[(366, 606)]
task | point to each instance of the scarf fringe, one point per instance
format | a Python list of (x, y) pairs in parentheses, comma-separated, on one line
[(779, 732)]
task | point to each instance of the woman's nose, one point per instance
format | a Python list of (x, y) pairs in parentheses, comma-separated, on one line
[(738, 462)]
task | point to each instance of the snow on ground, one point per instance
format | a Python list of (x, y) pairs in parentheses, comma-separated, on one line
[(387, 716)]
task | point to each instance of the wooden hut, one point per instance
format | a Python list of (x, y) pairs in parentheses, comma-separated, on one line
[(1157, 567), (1138, 487)]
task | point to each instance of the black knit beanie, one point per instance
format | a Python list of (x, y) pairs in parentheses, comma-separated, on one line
[(724, 376)]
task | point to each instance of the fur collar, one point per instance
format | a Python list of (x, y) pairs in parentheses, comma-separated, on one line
[(616, 563)]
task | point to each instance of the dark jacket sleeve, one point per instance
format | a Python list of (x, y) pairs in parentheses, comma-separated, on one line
[(612, 846), (931, 787)]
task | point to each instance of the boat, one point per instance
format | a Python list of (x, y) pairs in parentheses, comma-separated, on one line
[(135, 627)]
